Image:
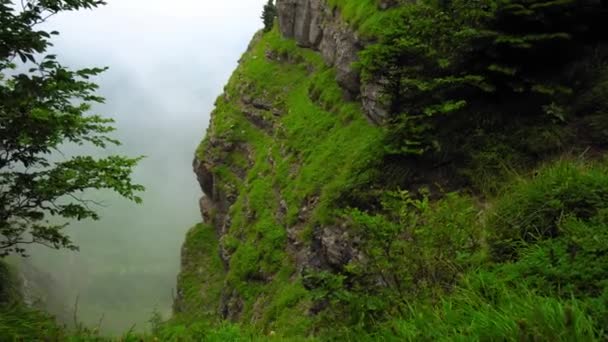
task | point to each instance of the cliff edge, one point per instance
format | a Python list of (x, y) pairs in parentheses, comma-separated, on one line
[(374, 166)]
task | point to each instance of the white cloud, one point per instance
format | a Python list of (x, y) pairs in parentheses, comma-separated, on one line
[(178, 53)]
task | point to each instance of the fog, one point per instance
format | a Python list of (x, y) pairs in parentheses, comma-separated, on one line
[(168, 62)]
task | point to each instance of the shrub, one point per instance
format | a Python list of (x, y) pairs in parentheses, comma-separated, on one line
[(573, 264), (415, 249), (533, 210)]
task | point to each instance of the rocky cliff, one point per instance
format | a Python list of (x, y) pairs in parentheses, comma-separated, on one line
[(316, 25), (362, 157), (287, 138)]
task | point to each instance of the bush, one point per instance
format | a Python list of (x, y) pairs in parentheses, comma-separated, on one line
[(573, 264), (533, 210), (415, 249)]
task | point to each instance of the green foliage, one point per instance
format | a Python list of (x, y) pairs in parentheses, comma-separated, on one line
[(41, 110), (415, 249), (417, 61), (573, 264), (438, 60), (201, 277), (363, 15), (314, 149), (18, 36), (535, 209), (269, 14), (426, 274), (485, 309), (483, 87), (557, 233)]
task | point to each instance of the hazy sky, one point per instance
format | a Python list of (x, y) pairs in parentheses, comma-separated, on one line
[(168, 62)]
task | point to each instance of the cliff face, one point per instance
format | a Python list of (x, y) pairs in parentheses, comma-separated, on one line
[(362, 156), (287, 139), (284, 143), (313, 24), (316, 25)]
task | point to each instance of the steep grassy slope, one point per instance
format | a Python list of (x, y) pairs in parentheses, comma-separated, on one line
[(302, 147), (475, 212)]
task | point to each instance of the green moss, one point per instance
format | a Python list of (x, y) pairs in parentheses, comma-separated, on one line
[(284, 313)]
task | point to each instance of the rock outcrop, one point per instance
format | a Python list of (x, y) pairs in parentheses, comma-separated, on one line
[(215, 203), (314, 24)]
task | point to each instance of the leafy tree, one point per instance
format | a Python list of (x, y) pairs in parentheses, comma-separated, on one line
[(41, 110), (268, 15)]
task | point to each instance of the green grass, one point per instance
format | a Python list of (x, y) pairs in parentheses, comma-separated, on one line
[(484, 309), (364, 15), (533, 210), (315, 148), (451, 287), (201, 278)]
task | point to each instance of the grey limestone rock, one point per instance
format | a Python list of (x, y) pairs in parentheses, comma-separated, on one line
[(314, 24)]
